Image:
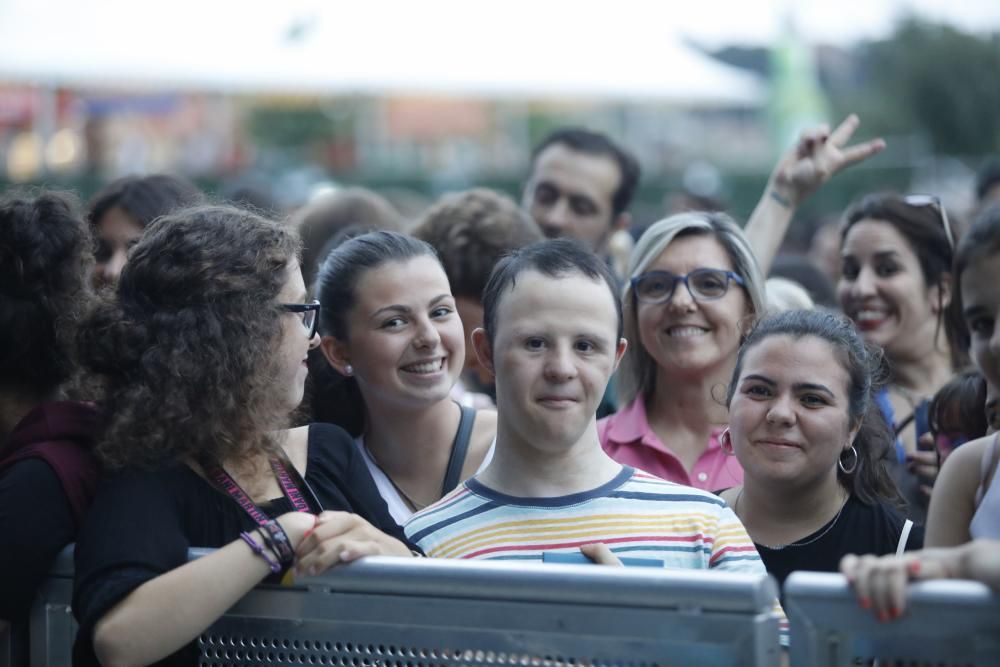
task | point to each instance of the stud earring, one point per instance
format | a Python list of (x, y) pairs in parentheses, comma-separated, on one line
[(348, 370)]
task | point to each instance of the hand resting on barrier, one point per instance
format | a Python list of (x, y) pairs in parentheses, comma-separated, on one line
[(601, 554), (881, 582), (342, 537)]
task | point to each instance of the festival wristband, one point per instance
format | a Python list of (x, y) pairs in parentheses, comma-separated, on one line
[(259, 550)]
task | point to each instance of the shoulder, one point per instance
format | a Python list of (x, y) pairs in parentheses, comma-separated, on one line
[(484, 430), (965, 464), (329, 445), (644, 486)]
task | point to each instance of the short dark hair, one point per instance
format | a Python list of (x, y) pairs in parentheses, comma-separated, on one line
[(866, 372), (46, 256), (555, 258), (471, 231), (144, 198), (960, 405), (595, 143)]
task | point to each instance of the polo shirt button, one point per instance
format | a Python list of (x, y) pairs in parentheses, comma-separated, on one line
[(702, 476)]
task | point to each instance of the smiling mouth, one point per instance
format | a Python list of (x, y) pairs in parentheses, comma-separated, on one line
[(424, 367), (870, 317), (686, 331), (779, 443)]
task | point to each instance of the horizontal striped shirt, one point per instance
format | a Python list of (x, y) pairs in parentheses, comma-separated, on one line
[(635, 514)]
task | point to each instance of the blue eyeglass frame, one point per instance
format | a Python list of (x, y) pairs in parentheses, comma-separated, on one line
[(730, 276), (304, 308)]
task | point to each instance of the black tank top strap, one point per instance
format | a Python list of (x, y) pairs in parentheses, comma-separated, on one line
[(459, 448)]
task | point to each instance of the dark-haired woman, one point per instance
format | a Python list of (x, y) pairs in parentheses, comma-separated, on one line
[(123, 208), (392, 332), (47, 473), (204, 349), (812, 446), (896, 286)]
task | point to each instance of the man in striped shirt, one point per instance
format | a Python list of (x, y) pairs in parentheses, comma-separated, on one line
[(552, 337)]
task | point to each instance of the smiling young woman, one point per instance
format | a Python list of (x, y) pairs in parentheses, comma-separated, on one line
[(815, 485), (392, 333)]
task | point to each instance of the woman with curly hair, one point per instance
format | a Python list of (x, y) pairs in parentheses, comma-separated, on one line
[(47, 474), (204, 348)]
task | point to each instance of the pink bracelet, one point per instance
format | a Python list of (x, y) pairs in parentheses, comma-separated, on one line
[(259, 550)]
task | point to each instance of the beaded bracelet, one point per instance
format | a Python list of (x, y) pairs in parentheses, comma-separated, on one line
[(279, 542), (259, 550)]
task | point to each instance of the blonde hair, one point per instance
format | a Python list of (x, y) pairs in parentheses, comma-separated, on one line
[(637, 372)]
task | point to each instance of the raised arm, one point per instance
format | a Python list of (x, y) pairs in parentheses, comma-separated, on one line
[(164, 614), (815, 158)]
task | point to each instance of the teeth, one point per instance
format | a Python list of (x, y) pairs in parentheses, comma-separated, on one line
[(426, 367), (685, 332), (868, 315)]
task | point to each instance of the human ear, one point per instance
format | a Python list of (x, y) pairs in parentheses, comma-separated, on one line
[(941, 294), (481, 343), (619, 352), (336, 354)]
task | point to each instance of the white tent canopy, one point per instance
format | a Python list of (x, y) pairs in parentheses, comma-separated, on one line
[(540, 49)]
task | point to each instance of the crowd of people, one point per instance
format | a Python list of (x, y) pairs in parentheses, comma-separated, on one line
[(299, 393)]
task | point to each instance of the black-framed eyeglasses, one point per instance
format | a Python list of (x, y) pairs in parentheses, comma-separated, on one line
[(309, 312), (918, 201), (702, 284)]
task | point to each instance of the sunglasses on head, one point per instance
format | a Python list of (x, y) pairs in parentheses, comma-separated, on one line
[(919, 201)]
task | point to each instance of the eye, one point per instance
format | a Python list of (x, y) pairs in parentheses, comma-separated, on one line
[(534, 343), (849, 269), (886, 269), (102, 251), (441, 311), (981, 327), (813, 400), (582, 206), (585, 346), (757, 391), (393, 323), (545, 194)]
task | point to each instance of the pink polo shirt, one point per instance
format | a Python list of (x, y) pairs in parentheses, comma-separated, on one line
[(627, 438)]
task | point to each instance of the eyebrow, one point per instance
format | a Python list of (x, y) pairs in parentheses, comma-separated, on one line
[(881, 254), (972, 311), (400, 308), (799, 386)]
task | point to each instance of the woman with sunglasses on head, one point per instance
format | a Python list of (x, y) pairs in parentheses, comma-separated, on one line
[(203, 347), (812, 445), (896, 286), (392, 333), (694, 288), (964, 514)]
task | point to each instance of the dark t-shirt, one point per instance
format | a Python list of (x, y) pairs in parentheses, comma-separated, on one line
[(36, 522), (859, 529), (142, 524)]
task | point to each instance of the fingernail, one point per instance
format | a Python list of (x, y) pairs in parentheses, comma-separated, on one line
[(308, 532), (913, 568), (865, 603), (894, 612)]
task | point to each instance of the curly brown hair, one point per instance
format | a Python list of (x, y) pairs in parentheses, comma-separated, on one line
[(188, 342), (46, 255)]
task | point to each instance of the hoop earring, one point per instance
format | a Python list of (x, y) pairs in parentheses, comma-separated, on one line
[(854, 464), (348, 370)]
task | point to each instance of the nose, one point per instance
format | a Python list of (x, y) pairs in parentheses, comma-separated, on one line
[(780, 412), (559, 366), (864, 284), (556, 218), (427, 335), (110, 270), (681, 299)]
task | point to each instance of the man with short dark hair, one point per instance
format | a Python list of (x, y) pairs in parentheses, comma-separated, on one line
[(552, 337), (581, 184)]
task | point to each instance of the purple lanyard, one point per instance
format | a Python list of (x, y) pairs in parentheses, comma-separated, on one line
[(225, 482)]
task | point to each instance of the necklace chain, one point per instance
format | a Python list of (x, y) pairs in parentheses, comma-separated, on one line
[(779, 547), (414, 505)]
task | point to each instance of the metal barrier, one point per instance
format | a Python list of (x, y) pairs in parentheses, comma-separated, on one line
[(947, 624), (401, 612)]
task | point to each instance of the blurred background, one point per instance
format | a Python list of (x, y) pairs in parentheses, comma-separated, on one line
[(285, 100)]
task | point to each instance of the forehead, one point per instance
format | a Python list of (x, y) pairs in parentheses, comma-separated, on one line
[(870, 236), (576, 172), (687, 253), (979, 283), (791, 360), (294, 288), (570, 301), (401, 281)]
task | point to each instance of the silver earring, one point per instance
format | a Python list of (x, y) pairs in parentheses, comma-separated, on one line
[(348, 370), (854, 464)]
